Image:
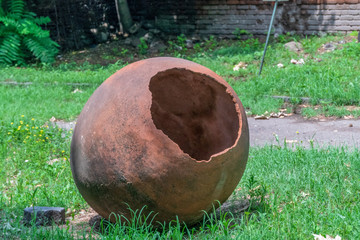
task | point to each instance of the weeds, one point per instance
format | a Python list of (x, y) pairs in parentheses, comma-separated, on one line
[(143, 46), (293, 193)]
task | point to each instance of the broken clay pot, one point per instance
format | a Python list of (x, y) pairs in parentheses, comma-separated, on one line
[(165, 133)]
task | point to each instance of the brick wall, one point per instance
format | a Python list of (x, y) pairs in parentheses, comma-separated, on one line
[(223, 17)]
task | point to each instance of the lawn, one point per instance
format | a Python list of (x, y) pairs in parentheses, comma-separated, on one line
[(291, 193)]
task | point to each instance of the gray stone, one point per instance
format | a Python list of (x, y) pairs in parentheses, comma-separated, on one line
[(135, 28), (148, 37), (157, 46), (98, 223), (149, 25), (189, 44), (329, 47), (44, 216), (127, 41), (101, 34), (154, 31), (294, 46), (135, 41), (141, 33)]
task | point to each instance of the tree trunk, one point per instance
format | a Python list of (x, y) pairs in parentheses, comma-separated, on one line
[(125, 15)]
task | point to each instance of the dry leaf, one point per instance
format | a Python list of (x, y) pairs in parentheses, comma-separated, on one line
[(320, 237), (241, 65), (297, 62), (77, 91), (261, 117), (304, 194), (51, 162)]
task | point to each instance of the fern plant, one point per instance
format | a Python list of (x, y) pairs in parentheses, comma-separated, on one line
[(21, 35)]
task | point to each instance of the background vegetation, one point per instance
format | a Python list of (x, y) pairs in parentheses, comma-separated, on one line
[(288, 192), (21, 35)]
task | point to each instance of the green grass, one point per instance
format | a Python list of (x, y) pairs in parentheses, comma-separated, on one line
[(333, 82), (52, 92), (293, 193)]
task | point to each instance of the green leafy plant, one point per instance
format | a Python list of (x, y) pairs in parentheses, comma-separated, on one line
[(178, 46), (239, 33), (21, 35), (211, 43), (143, 46)]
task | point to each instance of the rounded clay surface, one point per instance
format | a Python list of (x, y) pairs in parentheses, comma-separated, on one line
[(165, 133)]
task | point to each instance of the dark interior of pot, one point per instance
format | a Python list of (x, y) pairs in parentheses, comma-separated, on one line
[(194, 111)]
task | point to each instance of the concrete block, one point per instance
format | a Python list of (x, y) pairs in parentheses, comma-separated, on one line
[(44, 216)]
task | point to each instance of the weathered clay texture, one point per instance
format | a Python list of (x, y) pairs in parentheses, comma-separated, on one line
[(163, 132)]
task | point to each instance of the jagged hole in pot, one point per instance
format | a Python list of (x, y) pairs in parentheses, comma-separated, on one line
[(194, 111)]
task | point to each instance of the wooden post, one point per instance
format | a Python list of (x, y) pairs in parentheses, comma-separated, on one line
[(125, 15)]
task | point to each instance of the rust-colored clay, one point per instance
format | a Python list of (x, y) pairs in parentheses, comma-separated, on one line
[(163, 132)]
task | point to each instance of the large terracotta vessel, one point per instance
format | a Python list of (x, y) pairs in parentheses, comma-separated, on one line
[(163, 132)]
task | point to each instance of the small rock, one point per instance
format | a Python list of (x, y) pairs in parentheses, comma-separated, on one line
[(154, 31), (294, 46), (98, 223), (329, 47), (103, 36), (322, 34), (135, 41), (44, 216), (350, 125), (189, 44), (135, 28), (127, 41), (141, 33), (195, 39), (148, 37), (148, 25), (52, 119), (157, 46)]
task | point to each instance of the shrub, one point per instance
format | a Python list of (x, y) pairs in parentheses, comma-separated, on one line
[(21, 35)]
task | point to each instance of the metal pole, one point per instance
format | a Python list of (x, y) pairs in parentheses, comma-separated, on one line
[(268, 36)]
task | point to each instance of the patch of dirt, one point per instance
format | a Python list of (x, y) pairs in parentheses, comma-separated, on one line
[(118, 50), (79, 223), (101, 54)]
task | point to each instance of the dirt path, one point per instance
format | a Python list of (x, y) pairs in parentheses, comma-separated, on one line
[(297, 130)]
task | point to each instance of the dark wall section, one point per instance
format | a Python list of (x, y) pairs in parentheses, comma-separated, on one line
[(79, 23)]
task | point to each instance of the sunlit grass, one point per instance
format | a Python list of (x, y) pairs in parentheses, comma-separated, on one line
[(292, 192)]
